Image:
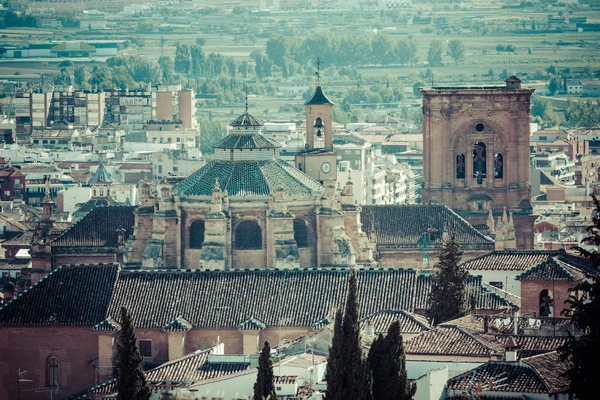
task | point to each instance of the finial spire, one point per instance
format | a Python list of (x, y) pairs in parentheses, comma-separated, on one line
[(246, 89), (318, 73)]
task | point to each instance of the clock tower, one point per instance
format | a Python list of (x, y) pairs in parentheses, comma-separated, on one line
[(318, 160)]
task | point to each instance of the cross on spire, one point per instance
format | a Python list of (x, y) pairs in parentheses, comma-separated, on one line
[(318, 73)]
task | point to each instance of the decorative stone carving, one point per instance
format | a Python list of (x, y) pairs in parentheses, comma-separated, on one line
[(446, 112)]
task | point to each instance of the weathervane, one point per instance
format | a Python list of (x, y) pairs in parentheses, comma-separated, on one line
[(318, 73)]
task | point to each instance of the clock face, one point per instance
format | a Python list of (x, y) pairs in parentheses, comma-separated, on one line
[(326, 167)]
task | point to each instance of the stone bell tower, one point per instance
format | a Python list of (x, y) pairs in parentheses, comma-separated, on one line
[(476, 153), (318, 160)]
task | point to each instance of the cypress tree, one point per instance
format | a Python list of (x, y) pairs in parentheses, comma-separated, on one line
[(387, 362), (335, 363), (447, 297), (264, 388), (349, 371), (131, 380)]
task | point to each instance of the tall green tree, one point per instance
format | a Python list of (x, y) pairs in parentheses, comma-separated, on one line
[(80, 75), (264, 387), (183, 61), (387, 362), (197, 59), (582, 352), (350, 373), (131, 380), (277, 49), (167, 67), (554, 85), (335, 362), (434, 55), (456, 50), (447, 297)]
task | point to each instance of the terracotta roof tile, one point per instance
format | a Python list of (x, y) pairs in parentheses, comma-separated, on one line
[(551, 269), (63, 297), (499, 376), (98, 228), (409, 323), (403, 226), (551, 369), (301, 297), (448, 341), (509, 260)]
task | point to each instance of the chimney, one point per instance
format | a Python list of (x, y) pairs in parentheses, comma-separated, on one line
[(9, 291), (510, 347), (369, 328), (486, 323)]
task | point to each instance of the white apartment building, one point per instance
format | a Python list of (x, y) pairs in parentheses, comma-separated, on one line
[(176, 162), (171, 132)]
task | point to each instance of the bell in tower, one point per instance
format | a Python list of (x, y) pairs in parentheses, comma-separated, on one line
[(319, 126), (479, 159)]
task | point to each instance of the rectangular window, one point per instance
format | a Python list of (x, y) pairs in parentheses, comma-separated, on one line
[(499, 285), (160, 169), (146, 348)]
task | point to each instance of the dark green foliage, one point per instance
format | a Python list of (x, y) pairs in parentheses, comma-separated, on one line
[(264, 388), (349, 373), (335, 363), (131, 380), (583, 352), (583, 113), (434, 55), (446, 300), (387, 362)]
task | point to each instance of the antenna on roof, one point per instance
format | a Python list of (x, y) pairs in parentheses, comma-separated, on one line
[(318, 73)]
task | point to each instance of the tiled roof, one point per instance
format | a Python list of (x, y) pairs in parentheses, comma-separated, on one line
[(499, 376), (246, 120), (300, 297), (318, 98), (447, 341), (184, 371), (23, 239), (92, 203), (404, 225), (474, 291), (533, 345), (98, 228), (509, 260), (551, 369), (108, 324), (53, 133), (16, 263), (248, 141), (101, 175), (409, 323), (69, 295), (247, 178), (550, 269)]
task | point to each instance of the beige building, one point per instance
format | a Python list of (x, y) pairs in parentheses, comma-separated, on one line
[(172, 131), (249, 209)]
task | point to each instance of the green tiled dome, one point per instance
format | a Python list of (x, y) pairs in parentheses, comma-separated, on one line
[(249, 178)]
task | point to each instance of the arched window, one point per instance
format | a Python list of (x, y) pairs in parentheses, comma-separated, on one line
[(300, 233), (545, 303), (197, 234), (53, 371), (498, 166), (479, 161), (248, 236), (460, 166)]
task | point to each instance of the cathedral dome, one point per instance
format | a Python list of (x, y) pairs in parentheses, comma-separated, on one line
[(249, 178)]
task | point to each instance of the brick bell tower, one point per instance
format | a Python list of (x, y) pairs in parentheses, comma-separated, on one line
[(476, 154), (318, 160)]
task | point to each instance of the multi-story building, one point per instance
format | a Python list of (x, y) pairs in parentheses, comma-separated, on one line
[(131, 108), (174, 103), (31, 111), (12, 184), (80, 108), (171, 131)]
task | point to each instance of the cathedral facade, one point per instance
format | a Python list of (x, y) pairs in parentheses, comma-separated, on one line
[(249, 209)]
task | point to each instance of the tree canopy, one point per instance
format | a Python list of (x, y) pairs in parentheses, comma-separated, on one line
[(131, 380)]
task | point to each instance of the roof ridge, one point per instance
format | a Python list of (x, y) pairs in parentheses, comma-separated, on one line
[(44, 278)]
